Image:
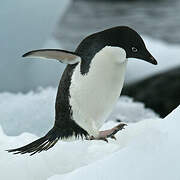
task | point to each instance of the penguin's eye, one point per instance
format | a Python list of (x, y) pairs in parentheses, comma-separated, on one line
[(134, 49)]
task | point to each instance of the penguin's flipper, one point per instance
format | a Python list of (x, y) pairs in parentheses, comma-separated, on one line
[(63, 56)]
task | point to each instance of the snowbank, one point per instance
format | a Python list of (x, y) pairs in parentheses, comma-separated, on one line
[(166, 54), (148, 149), (34, 112)]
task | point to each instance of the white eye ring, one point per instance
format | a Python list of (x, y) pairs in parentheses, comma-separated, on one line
[(134, 49)]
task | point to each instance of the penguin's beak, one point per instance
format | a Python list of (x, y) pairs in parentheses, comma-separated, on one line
[(144, 55), (149, 58)]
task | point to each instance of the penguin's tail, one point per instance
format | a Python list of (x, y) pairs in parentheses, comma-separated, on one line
[(42, 144)]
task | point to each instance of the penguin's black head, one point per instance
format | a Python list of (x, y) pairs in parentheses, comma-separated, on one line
[(129, 40)]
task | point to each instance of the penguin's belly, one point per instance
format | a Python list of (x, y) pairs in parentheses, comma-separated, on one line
[(93, 96)]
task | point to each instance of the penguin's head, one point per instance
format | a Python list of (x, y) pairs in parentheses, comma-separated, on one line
[(128, 39)]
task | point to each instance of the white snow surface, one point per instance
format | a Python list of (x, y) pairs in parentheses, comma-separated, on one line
[(148, 149), (145, 150), (21, 112)]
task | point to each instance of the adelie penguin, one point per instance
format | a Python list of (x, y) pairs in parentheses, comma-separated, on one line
[(90, 85)]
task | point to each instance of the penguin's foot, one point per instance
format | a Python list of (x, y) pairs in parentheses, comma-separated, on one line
[(103, 135)]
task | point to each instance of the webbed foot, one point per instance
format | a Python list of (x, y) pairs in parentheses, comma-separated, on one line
[(110, 133)]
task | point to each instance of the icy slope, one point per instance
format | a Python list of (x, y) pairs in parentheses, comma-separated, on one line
[(34, 112), (146, 150)]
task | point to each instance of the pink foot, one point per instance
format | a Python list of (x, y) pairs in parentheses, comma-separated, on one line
[(103, 135)]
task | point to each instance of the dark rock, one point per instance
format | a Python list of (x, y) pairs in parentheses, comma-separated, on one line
[(160, 92)]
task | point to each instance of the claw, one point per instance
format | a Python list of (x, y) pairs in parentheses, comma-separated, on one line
[(91, 138), (120, 126), (113, 137), (105, 139)]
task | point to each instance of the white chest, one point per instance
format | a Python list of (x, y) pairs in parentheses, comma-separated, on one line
[(94, 95)]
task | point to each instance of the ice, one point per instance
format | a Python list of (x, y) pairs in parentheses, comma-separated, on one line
[(34, 111), (166, 54), (127, 110), (148, 149)]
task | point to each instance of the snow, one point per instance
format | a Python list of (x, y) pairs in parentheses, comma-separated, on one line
[(148, 149), (166, 54), (127, 110), (25, 110)]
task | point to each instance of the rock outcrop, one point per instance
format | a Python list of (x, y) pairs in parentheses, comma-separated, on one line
[(160, 92)]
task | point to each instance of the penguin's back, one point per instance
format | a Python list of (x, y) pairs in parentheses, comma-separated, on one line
[(63, 115)]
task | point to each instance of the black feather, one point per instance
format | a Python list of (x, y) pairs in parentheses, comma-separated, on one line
[(44, 143)]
